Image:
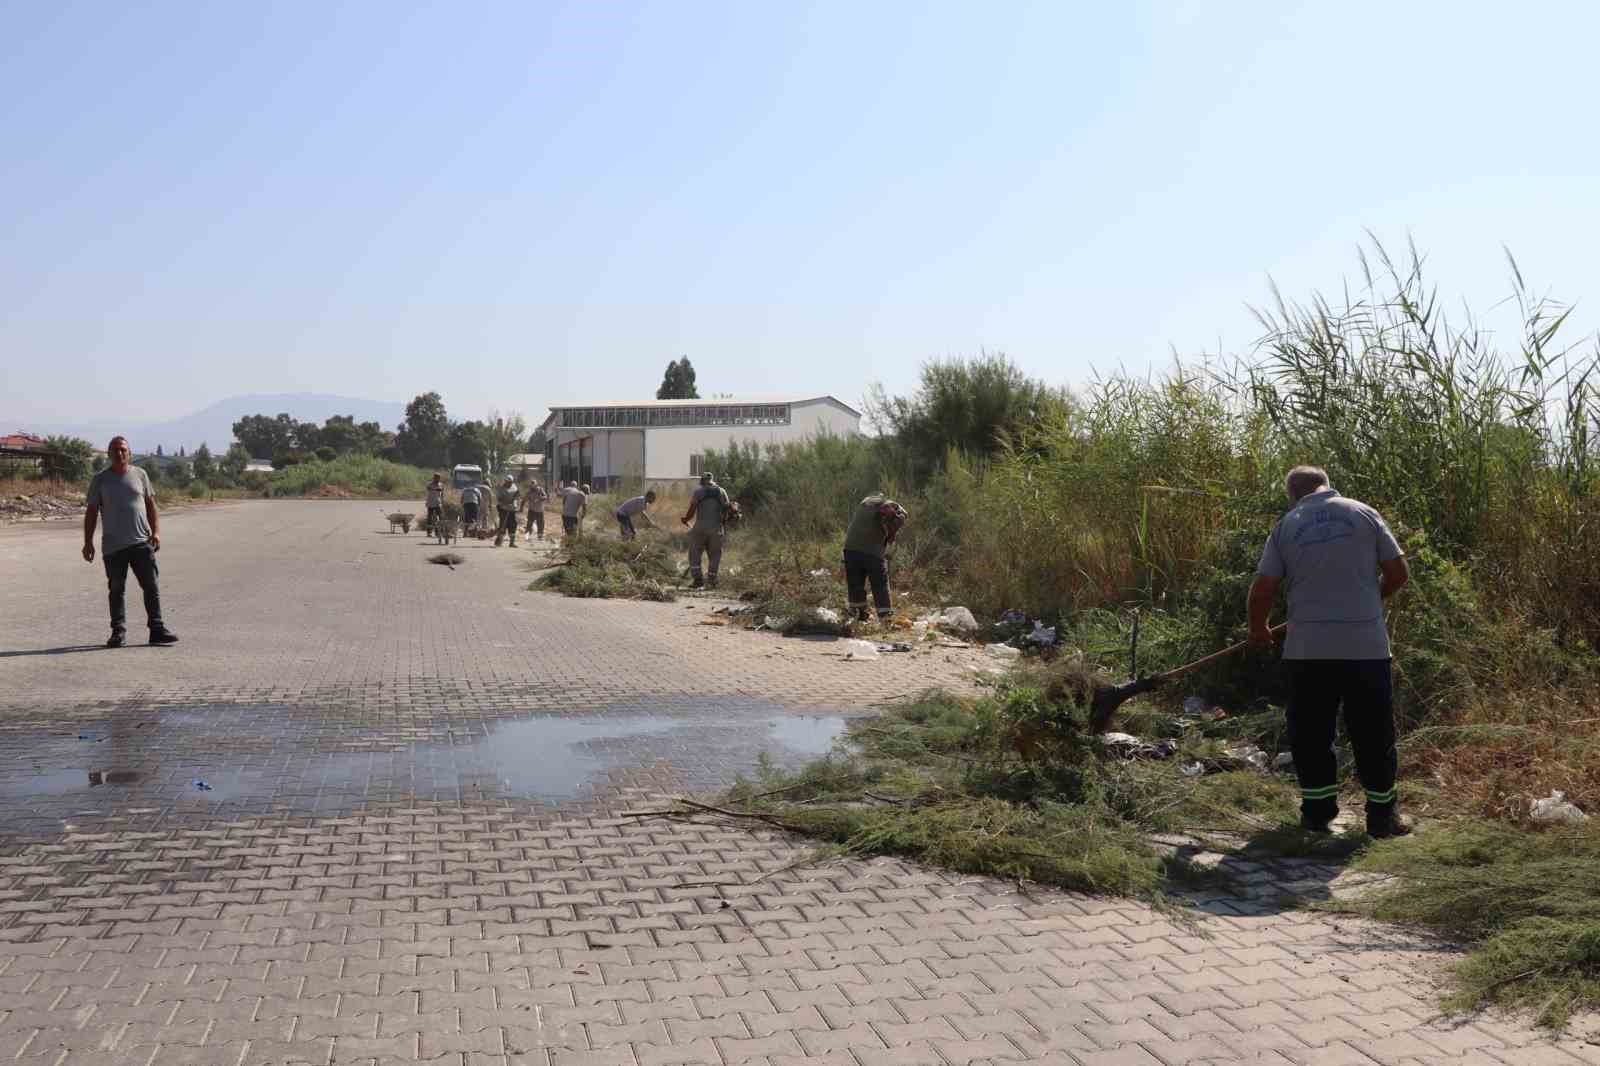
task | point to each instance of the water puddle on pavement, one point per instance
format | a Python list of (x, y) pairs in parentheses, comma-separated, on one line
[(193, 756)]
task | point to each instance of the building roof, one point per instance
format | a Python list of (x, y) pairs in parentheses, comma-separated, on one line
[(24, 442), (709, 401)]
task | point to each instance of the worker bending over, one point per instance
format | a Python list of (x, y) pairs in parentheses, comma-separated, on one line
[(873, 528)]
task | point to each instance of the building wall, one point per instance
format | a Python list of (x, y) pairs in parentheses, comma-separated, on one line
[(663, 453), (668, 448)]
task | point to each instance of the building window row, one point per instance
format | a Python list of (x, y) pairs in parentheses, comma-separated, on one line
[(760, 414)]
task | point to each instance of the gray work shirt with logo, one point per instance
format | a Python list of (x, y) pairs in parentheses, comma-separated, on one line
[(1327, 550), (710, 501), (121, 500)]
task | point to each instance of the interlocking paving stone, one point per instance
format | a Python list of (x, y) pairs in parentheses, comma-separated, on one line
[(413, 848)]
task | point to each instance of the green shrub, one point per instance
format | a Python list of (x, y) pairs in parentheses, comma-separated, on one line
[(358, 474), (199, 490)]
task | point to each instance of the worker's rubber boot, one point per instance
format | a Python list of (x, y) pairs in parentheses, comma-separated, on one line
[(711, 581), (1315, 825), (698, 582), (1387, 825)]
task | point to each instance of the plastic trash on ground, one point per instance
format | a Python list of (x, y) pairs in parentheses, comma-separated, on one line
[(1194, 706), (958, 618), (828, 614), (1013, 618), (200, 785), (860, 651), (1555, 810), (821, 572), (1284, 761), (1042, 635), (1002, 651)]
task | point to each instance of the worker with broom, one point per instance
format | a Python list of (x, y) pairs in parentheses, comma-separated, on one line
[(1337, 562)]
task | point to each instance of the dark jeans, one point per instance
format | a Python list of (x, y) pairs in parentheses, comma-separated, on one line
[(141, 558), (569, 525), (625, 524), (536, 518), (1363, 688), (508, 525), (861, 569), (469, 515), (434, 513)]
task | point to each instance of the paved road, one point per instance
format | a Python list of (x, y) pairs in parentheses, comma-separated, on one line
[(409, 846)]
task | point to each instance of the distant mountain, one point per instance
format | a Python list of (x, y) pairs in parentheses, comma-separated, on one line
[(213, 425)]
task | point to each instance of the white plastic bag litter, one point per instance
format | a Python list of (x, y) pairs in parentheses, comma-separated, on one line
[(958, 618), (860, 651), (828, 614), (1042, 635), (1555, 810), (1002, 651)]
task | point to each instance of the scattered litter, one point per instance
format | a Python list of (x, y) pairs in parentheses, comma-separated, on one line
[(1193, 769), (1013, 618), (1194, 706), (1042, 635), (827, 614), (1555, 810), (862, 650), (713, 621), (1128, 746), (1247, 755), (200, 785), (898, 645), (1218, 714), (90, 736), (956, 618), (946, 642), (822, 572), (1002, 651), (1284, 761)]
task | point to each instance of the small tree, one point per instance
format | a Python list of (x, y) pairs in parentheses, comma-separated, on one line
[(502, 437), (234, 462), (205, 467), (152, 468), (70, 458), (678, 381), (423, 437)]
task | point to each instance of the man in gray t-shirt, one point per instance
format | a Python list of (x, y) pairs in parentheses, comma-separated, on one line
[(1337, 562), (574, 505), (121, 502)]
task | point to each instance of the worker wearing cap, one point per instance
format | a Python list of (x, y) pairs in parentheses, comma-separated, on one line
[(536, 500), (469, 508), (508, 500), (1337, 563), (707, 506), (873, 527)]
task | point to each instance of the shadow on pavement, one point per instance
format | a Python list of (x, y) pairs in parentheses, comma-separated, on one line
[(64, 650)]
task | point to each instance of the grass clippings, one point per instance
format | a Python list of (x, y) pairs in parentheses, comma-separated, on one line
[(1012, 786), (645, 568), (1523, 902)]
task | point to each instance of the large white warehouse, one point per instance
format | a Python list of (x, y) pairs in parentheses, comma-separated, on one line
[(665, 441)]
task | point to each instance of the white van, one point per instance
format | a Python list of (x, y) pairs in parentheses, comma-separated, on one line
[(464, 474)]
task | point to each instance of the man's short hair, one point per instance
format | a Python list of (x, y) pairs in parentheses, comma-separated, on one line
[(113, 442), (1304, 480)]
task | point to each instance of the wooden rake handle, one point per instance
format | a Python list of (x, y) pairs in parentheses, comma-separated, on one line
[(1179, 671)]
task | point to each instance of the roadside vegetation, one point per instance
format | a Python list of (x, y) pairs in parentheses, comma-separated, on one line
[(350, 475), (1145, 502)]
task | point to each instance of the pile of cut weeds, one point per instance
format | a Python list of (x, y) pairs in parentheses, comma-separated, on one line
[(1011, 785), (602, 568)]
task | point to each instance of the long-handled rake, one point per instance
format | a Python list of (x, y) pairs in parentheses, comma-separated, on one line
[(1103, 705)]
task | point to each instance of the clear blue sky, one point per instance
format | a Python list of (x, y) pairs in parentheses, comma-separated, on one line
[(528, 203)]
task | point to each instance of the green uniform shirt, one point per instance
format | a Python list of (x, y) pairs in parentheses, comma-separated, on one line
[(866, 527)]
